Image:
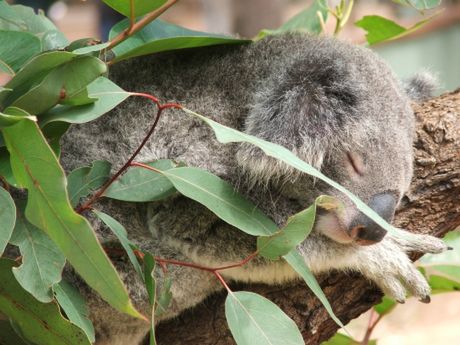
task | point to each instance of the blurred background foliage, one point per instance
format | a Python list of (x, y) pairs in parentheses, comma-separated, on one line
[(435, 47)]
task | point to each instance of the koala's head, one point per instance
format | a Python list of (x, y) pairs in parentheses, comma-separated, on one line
[(339, 108)]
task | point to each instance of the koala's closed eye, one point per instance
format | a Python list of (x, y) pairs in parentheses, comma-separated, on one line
[(355, 163)]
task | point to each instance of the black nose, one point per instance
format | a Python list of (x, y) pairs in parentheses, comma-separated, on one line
[(363, 229)]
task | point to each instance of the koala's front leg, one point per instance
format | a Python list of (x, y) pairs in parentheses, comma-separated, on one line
[(385, 263)]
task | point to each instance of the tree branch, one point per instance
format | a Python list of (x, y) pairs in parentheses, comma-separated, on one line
[(432, 206)]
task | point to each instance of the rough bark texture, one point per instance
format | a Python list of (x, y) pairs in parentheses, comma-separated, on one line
[(431, 206)]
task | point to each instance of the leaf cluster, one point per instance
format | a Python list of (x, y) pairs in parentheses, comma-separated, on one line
[(54, 83)]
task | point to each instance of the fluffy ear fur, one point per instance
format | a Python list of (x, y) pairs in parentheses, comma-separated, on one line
[(306, 107), (421, 86)]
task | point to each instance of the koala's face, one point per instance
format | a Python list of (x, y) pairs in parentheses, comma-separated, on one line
[(341, 109)]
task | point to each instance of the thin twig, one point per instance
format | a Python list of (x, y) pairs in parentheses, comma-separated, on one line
[(100, 192), (132, 17), (132, 29), (373, 321)]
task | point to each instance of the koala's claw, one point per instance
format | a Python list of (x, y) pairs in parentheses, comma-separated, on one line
[(390, 268)]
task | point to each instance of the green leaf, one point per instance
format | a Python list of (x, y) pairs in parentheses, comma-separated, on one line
[(80, 98), (108, 95), (5, 167), (386, 306), (42, 261), (25, 19), (150, 286), (41, 323), (229, 135), (91, 48), (221, 198), (297, 228), (74, 307), (341, 339), (9, 120), (62, 83), (441, 284), (34, 72), (141, 7), (83, 181), (419, 4), (13, 115), (380, 29), (16, 48), (36, 168), (296, 261), (164, 297), (3, 90), (143, 185), (7, 218), (304, 21), (120, 232), (8, 335), (149, 266), (159, 36), (254, 320)]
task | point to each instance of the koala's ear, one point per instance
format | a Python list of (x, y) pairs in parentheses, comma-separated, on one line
[(421, 86), (304, 108)]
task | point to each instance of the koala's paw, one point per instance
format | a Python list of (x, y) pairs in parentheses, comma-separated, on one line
[(391, 269)]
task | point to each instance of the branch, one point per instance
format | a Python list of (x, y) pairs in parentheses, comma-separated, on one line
[(135, 27), (431, 206)]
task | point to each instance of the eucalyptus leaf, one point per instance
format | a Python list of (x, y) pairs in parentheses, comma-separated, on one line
[(120, 232), (254, 320), (143, 185), (42, 261), (62, 83), (297, 228), (296, 261), (342, 339), (7, 218), (226, 135), (159, 36), (25, 19), (150, 286), (5, 167), (39, 322), (8, 334), (304, 21), (221, 198), (386, 306), (13, 115), (108, 95), (74, 307), (16, 48), (83, 181), (164, 296), (36, 168), (380, 29), (34, 72), (9, 120), (141, 7)]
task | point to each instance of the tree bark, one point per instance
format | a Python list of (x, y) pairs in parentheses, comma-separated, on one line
[(432, 206)]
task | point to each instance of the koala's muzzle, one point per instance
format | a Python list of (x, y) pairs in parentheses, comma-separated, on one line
[(363, 229)]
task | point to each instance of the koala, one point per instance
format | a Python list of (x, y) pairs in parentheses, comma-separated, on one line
[(336, 106)]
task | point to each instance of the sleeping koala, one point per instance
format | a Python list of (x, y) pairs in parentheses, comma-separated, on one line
[(336, 106)]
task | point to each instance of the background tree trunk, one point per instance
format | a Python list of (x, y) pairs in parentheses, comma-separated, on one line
[(432, 206)]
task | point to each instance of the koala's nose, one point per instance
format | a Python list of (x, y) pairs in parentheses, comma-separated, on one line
[(363, 229)]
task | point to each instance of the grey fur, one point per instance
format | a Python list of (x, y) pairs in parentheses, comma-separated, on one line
[(421, 86), (319, 97)]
